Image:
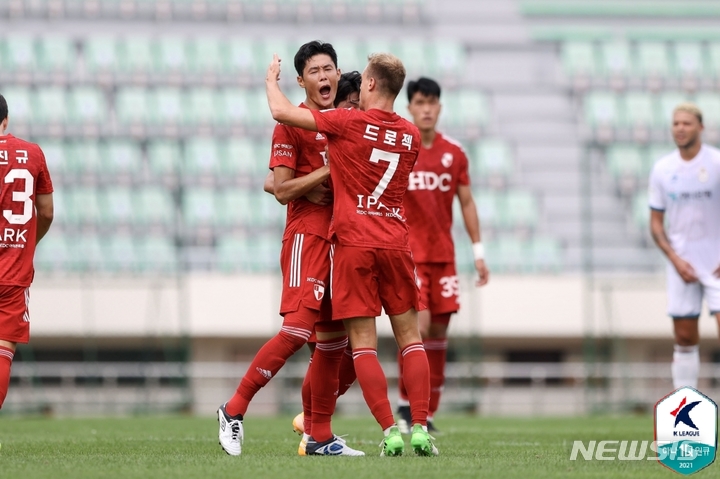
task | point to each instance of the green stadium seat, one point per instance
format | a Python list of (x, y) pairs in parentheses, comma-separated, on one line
[(156, 254), (689, 59), (117, 206), (56, 54), (378, 45), (57, 157), (545, 254), (200, 207), (237, 208), (201, 107), (493, 157), (639, 109), (101, 54), (268, 212), (240, 56), (170, 54), (713, 59), (164, 158), (231, 252), (579, 58), (122, 156), (206, 55), (349, 56), (19, 100), (601, 108), (520, 209), (18, 53), (667, 103), (625, 161), (641, 210), (153, 205), (166, 106), (615, 58), (448, 58), (131, 106), (83, 206), (259, 253), (119, 254), (652, 59), (52, 253), (654, 153), (50, 105), (507, 254), (202, 158), (85, 158), (236, 106), (242, 157), (87, 105), (709, 103), (467, 108), (136, 55), (87, 253), (276, 44), (488, 206), (414, 54)]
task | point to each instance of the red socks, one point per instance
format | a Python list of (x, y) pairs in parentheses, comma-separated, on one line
[(374, 385), (6, 357), (324, 385), (267, 363), (436, 350), (402, 392), (307, 399), (347, 371), (417, 381)]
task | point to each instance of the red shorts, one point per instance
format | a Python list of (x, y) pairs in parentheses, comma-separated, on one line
[(439, 288), (305, 265), (364, 279), (14, 315)]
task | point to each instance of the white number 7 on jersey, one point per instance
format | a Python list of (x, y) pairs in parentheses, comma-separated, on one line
[(393, 159)]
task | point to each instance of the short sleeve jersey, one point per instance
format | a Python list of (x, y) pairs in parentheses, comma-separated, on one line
[(371, 156), (689, 194), (24, 175), (433, 185), (304, 152)]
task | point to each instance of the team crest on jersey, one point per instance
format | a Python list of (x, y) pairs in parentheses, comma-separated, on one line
[(703, 175), (319, 291), (447, 160)]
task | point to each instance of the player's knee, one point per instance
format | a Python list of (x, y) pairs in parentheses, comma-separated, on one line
[(294, 339)]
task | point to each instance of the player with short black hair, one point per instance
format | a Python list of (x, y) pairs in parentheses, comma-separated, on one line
[(372, 152), (27, 204), (440, 174)]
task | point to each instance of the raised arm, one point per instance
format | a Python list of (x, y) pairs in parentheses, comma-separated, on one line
[(280, 107)]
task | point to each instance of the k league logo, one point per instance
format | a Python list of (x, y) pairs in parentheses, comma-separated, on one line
[(686, 430)]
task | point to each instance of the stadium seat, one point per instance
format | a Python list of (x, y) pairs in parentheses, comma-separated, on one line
[(169, 54), (85, 157), (689, 59), (206, 55), (20, 104), (601, 109), (57, 157), (493, 158), (709, 103), (164, 158), (122, 156), (275, 44), (18, 53), (87, 105), (101, 54), (52, 253), (268, 212), (136, 55), (652, 60), (641, 210), (625, 161), (50, 105), (349, 56), (156, 254), (545, 254), (153, 205), (116, 206), (120, 253), (654, 153), (467, 108), (507, 254), (414, 54), (87, 252), (231, 252), (579, 58), (243, 157), (201, 107), (56, 54), (166, 106), (488, 207), (131, 106), (240, 56), (256, 253), (200, 207), (237, 208), (615, 58), (713, 59), (519, 209), (667, 103), (83, 206), (237, 107), (639, 110), (448, 58), (202, 158)]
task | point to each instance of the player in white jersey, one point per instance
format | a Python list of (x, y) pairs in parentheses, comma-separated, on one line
[(685, 195)]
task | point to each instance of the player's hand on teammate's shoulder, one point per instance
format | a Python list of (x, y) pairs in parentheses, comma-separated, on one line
[(320, 195), (483, 273), (685, 270), (273, 72)]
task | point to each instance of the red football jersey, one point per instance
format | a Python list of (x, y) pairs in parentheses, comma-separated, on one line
[(304, 152), (434, 182), (24, 174), (371, 156)]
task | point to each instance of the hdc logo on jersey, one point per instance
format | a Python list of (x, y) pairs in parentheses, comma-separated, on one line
[(429, 180), (686, 430)]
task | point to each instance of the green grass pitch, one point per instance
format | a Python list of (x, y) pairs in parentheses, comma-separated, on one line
[(184, 447)]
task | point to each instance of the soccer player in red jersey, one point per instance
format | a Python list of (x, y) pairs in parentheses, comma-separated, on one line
[(27, 211), (440, 174), (372, 154), (298, 164)]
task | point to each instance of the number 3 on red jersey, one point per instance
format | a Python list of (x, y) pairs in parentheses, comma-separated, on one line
[(20, 196)]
